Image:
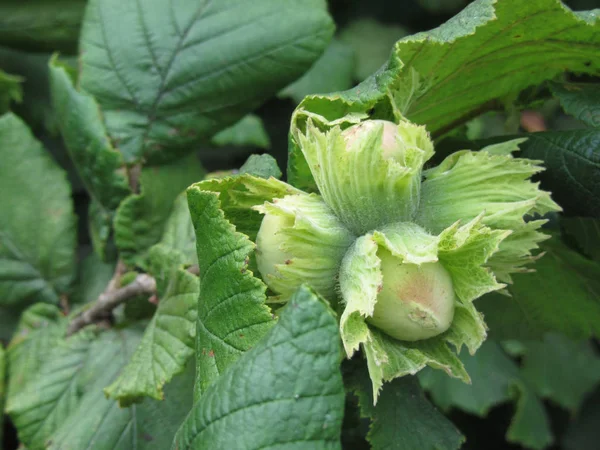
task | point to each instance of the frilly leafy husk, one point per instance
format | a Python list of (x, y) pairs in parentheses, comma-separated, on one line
[(317, 240), (463, 250), (494, 184), (356, 181)]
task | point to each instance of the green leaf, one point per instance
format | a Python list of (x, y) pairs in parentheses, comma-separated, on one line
[(284, 368), (100, 166), (166, 346), (52, 393), (403, 418), (238, 195), (164, 84), (10, 90), (250, 131), (97, 423), (561, 370), (572, 161), (263, 166), (586, 233), (179, 234), (330, 73), (580, 100), (232, 316), (441, 78), (140, 219), (495, 380), (41, 25), (37, 224), (372, 53), (40, 328), (563, 295)]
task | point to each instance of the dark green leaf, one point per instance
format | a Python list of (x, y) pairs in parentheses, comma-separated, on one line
[(140, 219), (181, 74), (563, 295), (561, 370), (572, 161), (167, 344), (249, 131), (403, 418), (582, 101), (100, 166), (586, 233), (52, 393), (295, 397), (41, 24), (40, 329), (263, 166), (332, 72), (37, 224), (232, 316), (441, 78), (495, 379), (179, 234)]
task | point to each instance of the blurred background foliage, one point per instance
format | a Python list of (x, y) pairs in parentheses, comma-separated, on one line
[(525, 394)]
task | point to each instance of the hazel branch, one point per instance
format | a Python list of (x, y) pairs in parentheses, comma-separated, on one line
[(110, 299)]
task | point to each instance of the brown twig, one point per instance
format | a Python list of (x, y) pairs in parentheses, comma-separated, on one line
[(110, 299)]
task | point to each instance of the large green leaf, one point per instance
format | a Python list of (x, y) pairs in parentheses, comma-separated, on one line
[(170, 75), (100, 166), (563, 294), (40, 328), (166, 346), (403, 418), (585, 232), (580, 100), (232, 316), (561, 370), (41, 24), (37, 224), (10, 90), (572, 161), (94, 422), (140, 219), (52, 393), (179, 234), (495, 380), (285, 393), (441, 78)]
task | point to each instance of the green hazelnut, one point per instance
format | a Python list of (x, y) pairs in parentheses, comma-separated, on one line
[(415, 301)]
